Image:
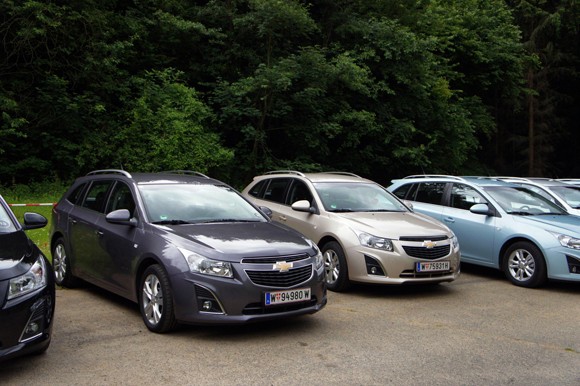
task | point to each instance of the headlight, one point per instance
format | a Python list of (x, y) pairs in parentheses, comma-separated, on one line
[(200, 264), (568, 241), (318, 259), (454, 242), (375, 242), (32, 280)]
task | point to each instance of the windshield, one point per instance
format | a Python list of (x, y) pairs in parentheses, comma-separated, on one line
[(191, 204), (6, 224), (357, 197), (570, 194), (522, 201)]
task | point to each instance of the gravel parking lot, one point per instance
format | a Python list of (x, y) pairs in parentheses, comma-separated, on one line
[(478, 330)]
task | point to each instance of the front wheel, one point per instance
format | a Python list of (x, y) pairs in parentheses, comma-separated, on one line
[(335, 268), (156, 300), (524, 265)]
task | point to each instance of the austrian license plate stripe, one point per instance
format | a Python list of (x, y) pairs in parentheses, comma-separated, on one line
[(287, 296), (432, 266)]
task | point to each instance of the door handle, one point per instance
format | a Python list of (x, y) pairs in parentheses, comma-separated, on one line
[(282, 218), (72, 220), (99, 233), (449, 219)]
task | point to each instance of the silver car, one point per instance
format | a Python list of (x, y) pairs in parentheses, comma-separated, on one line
[(365, 233)]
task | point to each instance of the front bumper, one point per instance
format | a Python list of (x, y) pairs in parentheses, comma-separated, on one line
[(240, 300), (368, 265), (26, 323)]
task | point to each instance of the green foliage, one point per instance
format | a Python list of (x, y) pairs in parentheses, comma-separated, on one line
[(166, 129), (377, 87)]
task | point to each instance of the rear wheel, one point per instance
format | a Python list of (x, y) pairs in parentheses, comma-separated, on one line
[(524, 265), (336, 270), (61, 264), (156, 300)]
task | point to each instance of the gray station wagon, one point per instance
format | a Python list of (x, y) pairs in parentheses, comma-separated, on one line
[(187, 248)]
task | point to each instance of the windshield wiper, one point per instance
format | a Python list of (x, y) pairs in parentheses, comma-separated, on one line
[(520, 213), (343, 210), (225, 220), (171, 222)]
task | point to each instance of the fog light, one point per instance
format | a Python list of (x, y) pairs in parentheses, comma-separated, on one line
[(32, 328), (374, 270), (206, 305)]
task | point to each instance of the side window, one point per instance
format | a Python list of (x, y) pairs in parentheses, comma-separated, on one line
[(258, 189), (121, 198), (96, 196), (464, 197), (276, 189), (299, 191), (76, 195), (429, 192), (405, 192)]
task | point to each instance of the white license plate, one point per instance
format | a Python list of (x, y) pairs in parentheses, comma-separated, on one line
[(432, 266), (287, 296)]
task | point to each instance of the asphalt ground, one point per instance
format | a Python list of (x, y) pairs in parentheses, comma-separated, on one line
[(478, 330)]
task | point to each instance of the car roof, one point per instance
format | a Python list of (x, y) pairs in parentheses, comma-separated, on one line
[(171, 176), (316, 177), (535, 180), (475, 180)]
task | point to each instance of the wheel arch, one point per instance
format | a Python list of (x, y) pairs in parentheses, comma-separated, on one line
[(511, 242)]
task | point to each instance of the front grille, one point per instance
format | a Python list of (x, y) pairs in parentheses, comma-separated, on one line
[(408, 274), (423, 238), (260, 309), (274, 260), (279, 279), (427, 253)]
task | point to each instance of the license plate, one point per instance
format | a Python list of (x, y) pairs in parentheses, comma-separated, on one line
[(432, 266), (287, 296)]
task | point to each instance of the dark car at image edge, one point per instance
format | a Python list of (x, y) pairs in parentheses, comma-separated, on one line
[(186, 247), (27, 291)]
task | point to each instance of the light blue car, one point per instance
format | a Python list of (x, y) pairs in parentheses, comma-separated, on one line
[(500, 225)]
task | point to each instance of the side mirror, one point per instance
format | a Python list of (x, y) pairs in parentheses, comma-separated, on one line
[(267, 211), (34, 221), (303, 206), (480, 209), (122, 217)]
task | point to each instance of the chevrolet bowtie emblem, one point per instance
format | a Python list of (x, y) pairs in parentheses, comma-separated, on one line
[(429, 244), (282, 266)]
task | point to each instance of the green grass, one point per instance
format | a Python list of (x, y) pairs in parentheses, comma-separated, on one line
[(35, 193)]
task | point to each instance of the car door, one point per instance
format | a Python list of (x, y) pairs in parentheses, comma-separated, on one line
[(84, 229), (475, 232), (303, 222), (117, 243), (427, 197)]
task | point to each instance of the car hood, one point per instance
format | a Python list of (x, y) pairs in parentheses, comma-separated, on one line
[(393, 225), (236, 240), (557, 223), (15, 249)]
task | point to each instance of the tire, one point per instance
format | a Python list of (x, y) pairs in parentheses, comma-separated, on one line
[(524, 265), (335, 267), (61, 264), (156, 300)]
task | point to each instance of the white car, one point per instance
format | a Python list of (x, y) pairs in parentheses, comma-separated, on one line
[(564, 194)]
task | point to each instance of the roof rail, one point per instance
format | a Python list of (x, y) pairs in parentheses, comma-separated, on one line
[(344, 174), (286, 172), (188, 172), (434, 176), (110, 171)]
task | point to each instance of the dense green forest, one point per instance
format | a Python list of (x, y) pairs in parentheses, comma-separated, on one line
[(232, 88)]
